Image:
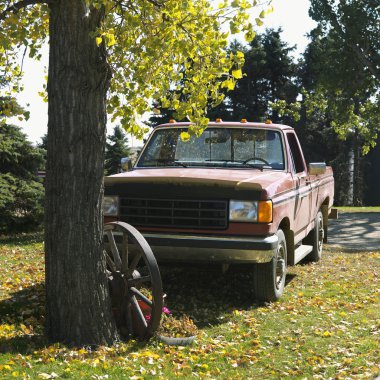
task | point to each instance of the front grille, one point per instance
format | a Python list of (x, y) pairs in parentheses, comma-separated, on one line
[(181, 213)]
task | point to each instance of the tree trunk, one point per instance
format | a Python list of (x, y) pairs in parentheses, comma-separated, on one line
[(351, 178), (78, 310)]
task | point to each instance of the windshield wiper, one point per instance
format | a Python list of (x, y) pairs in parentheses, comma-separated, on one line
[(170, 162), (245, 163)]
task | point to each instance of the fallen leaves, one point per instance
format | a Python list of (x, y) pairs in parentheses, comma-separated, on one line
[(326, 326)]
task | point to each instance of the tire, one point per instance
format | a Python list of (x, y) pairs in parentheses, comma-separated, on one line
[(315, 239), (269, 278)]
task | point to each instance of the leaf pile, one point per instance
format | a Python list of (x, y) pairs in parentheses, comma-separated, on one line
[(326, 326), (177, 327)]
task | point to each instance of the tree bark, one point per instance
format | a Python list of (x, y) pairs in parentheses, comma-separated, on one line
[(78, 310)]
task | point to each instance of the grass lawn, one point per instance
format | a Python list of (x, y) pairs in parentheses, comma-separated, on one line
[(326, 326), (358, 209)]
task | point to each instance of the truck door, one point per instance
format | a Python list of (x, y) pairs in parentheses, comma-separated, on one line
[(301, 187)]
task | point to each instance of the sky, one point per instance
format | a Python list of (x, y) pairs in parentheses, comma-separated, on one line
[(291, 15)]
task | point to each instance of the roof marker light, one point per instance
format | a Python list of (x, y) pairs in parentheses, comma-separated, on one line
[(218, 120), (243, 120), (268, 121), (172, 121)]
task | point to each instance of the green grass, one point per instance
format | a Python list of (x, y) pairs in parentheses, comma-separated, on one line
[(327, 325), (358, 209)]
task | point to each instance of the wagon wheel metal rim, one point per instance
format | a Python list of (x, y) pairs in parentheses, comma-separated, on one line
[(138, 271)]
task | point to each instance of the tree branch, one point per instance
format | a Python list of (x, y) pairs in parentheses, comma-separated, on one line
[(17, 6), (357, 50), (156, 3)]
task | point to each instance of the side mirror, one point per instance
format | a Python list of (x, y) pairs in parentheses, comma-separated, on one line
[(317, 168), (126, 164)]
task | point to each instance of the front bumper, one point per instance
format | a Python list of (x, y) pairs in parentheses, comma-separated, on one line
[(208, 249)]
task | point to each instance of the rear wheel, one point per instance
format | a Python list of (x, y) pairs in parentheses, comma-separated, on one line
[(315, 238), (269, 278)]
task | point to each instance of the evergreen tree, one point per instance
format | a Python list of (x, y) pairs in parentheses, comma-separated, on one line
[(270, 75), (22, 193), (116, 149)]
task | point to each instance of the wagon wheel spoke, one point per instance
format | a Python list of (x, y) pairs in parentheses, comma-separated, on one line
[(126, 307), (134, 280), (114, 249), (110, 263), (138, 312), (138, 294), (138, 281), (133, 265), (124, 254)]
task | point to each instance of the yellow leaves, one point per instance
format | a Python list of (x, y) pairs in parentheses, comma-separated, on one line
[(47, 376), (237, 74), (229, 84), (259, 22), (25, 329), (108, 37), (111, 40), (239, 54)]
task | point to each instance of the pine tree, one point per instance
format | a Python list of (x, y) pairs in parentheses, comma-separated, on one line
[(22, 193), (116, 149)]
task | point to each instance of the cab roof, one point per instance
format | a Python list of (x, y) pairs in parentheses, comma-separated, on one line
[(226, 124)]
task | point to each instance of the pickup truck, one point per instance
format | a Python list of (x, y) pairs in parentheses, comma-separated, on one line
[(239, 193)]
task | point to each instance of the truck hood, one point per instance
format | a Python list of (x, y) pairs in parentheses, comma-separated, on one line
[(240, 179)]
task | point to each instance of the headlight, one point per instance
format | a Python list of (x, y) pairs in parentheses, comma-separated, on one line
[(243, 211), (251, 211), (111, 205)]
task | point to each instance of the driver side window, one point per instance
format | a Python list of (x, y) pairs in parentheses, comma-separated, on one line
[(297, 161)]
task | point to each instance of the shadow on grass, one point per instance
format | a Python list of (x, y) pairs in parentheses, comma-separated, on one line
[(24, 308), (22, 239), (206, 294)]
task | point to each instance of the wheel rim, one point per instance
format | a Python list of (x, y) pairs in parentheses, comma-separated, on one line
[(321, 233), (280, 266), (134, 281)]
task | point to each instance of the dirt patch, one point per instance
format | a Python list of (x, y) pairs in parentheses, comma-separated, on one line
[(355, 231)]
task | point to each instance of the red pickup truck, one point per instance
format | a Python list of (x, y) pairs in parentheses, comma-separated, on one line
[(240, 193)]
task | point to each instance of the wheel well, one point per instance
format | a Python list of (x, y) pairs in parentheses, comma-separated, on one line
[(325, 214), (289, 236)]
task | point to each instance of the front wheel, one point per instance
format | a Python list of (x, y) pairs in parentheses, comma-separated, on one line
[(269, 278)]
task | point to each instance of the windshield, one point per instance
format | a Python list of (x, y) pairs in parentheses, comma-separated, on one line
[(216, 147)]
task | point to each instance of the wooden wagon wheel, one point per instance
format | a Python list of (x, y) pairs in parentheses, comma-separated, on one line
[(134, 280)]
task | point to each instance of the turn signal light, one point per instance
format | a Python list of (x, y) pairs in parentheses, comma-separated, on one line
[(243, 120), (171, 121), (218, 120), (268, 121), (265, 212)]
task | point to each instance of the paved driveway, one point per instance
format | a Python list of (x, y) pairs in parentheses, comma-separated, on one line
[(355, 231)]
